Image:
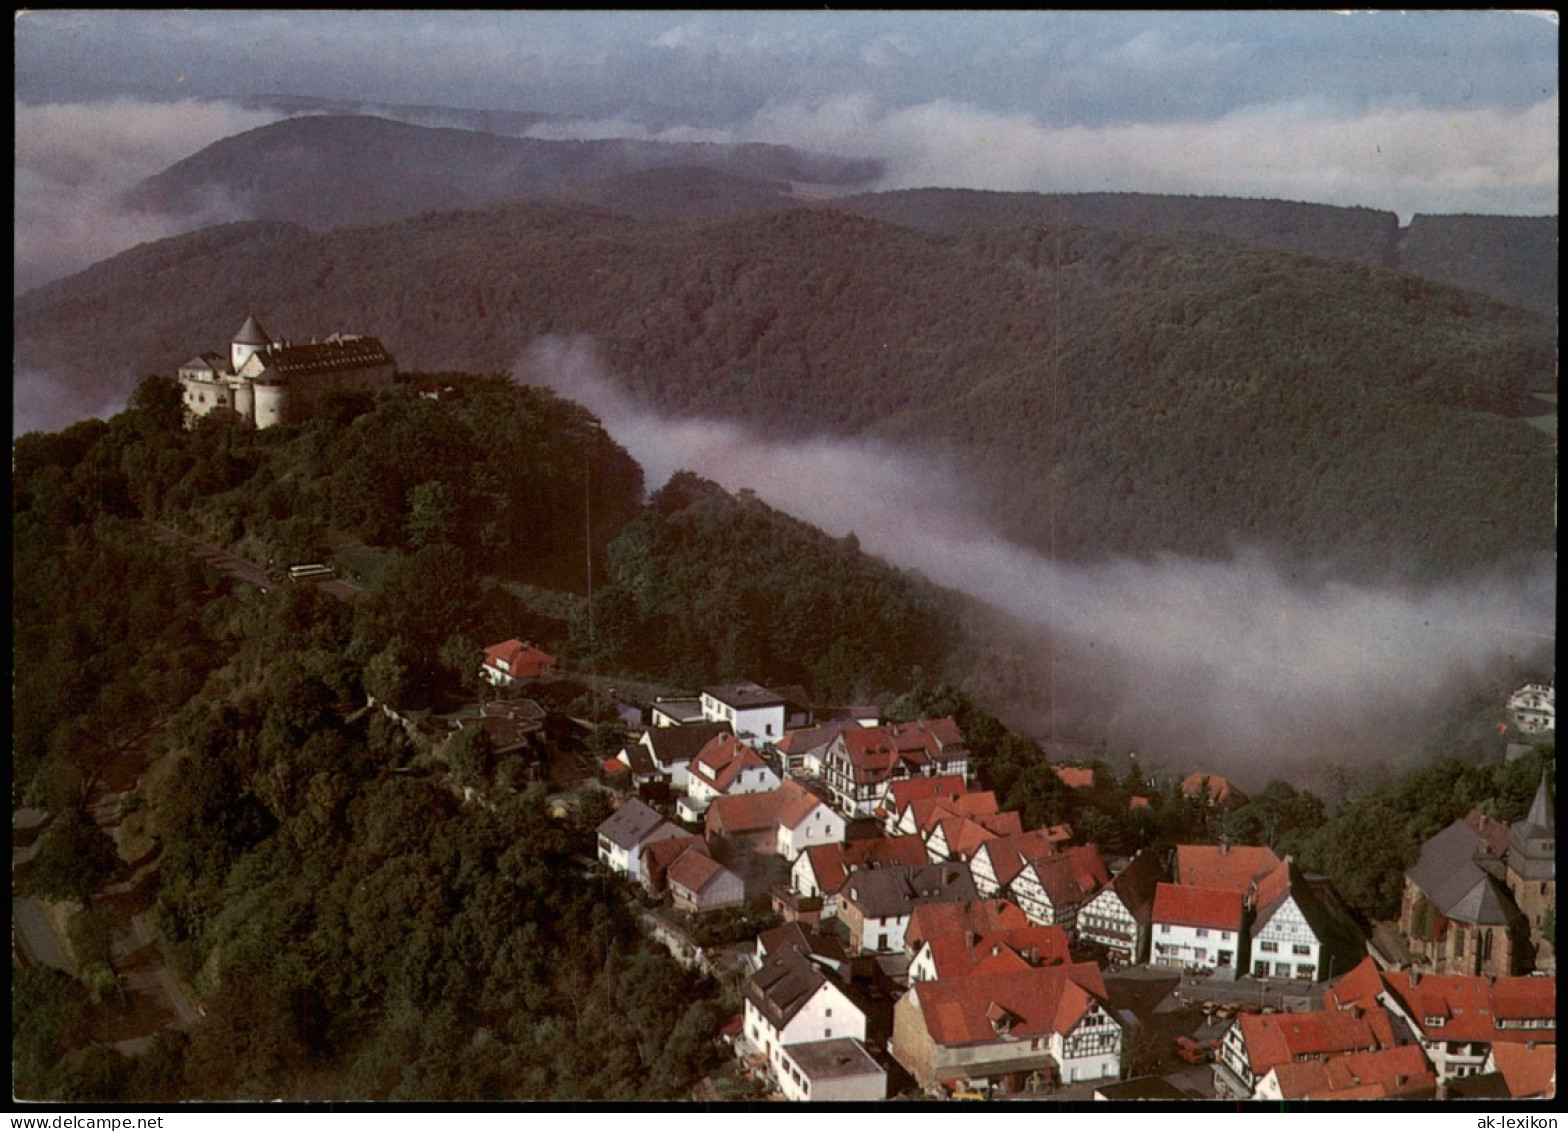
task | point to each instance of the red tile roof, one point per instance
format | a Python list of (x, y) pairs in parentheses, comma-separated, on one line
[(694, 871), (983, 937), (1035, 1002), (1232, 868), (1009, 855), (926, 812), (956, 919), (1220, 791), (1073, 876), (1471, 1008), (948, 787), (1182, 905), (723, 759), (787, 806)]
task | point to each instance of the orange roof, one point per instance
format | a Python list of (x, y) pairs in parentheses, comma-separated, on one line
[(978, 950), (1220, 791), (1009, 855), (694, 871), (1136, 801), (1273, 1039), (926, 812), (885, 851), (1358, 1075), (1528, 1070), (721, 761), (1458, 1008), (1037, 1001), (1228, 868), (1072, 876), (932, 920), (787, 806), (1187, 906), (1359, 987)]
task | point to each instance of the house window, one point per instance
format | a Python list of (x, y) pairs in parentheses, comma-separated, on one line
[(827, 1013), (1165, 928), (1268, 947), (1203, 932), (1224, 936), (1301, 948)]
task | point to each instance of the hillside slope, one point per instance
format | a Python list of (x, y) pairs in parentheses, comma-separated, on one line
[(1107, 392), (328, 170)]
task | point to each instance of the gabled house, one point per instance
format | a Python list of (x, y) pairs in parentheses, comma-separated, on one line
[(1457, 913), (660, 854), (901, 795), (1295, 933), (513, 663), (960, 837), (623, 835), (673, 747), (1528, 1070), (786, 821), (1259, 1043), (996, 863), (1051, 889), (1001, 1031), (1458, 1020), (1224, 867), (863, 762), (1383, 1074), (512, 724), (1075, 777), (1211, 789), (822, 948), (876, 904), (821, 871), (752, 711), (841, 1070), (793, 1000), (1532, 876), (698, 884), (1119, 918), (723, 767), (922, 814), (955, 940), (801, 751), (1196, 928)]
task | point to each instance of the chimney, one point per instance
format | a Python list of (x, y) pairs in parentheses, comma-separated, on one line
[(1415, 979)]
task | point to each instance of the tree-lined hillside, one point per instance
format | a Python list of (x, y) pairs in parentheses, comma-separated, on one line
[(1109, 393)]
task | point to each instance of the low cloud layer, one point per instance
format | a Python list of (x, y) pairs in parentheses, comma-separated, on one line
[(1231, 665), (73, 162), (1399, 158)]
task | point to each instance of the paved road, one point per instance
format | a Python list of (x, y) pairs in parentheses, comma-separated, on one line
[(33, 939), (240, 569)]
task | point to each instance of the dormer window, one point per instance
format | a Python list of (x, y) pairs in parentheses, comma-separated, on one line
[(1432, 1021)]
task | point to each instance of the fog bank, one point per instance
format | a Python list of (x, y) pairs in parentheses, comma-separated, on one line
[(1234, 664)]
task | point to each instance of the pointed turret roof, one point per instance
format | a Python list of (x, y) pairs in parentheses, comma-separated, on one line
[(1540, 815), (251, 334)]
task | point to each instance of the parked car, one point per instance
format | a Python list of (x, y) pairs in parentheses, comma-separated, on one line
[(1193, 1052)]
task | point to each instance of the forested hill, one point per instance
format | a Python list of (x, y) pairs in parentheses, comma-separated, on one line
[(329, 170), (1512, 259), (1109, 392)]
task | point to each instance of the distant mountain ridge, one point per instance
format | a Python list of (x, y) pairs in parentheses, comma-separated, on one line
[(327, 171), (1105, 392)]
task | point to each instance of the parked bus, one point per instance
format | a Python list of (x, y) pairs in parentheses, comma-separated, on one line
[(311, 571)]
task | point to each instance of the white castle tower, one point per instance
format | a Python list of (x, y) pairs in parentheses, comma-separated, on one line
[(251, 340)]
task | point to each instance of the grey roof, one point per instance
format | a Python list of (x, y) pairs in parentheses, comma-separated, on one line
[(630, 825), (251, 334), (836, 1058), (682, 743), (1526, 850), (896, 891), (1449, 870)]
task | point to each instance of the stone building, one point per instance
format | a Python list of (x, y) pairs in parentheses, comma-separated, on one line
[(1532, 873)]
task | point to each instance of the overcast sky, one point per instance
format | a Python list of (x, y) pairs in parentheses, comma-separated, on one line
[(1425, 111)]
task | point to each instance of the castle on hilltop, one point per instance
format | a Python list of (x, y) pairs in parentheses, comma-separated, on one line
[(274, 382)]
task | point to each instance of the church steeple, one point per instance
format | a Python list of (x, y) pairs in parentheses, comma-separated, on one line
[(250, 340)]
